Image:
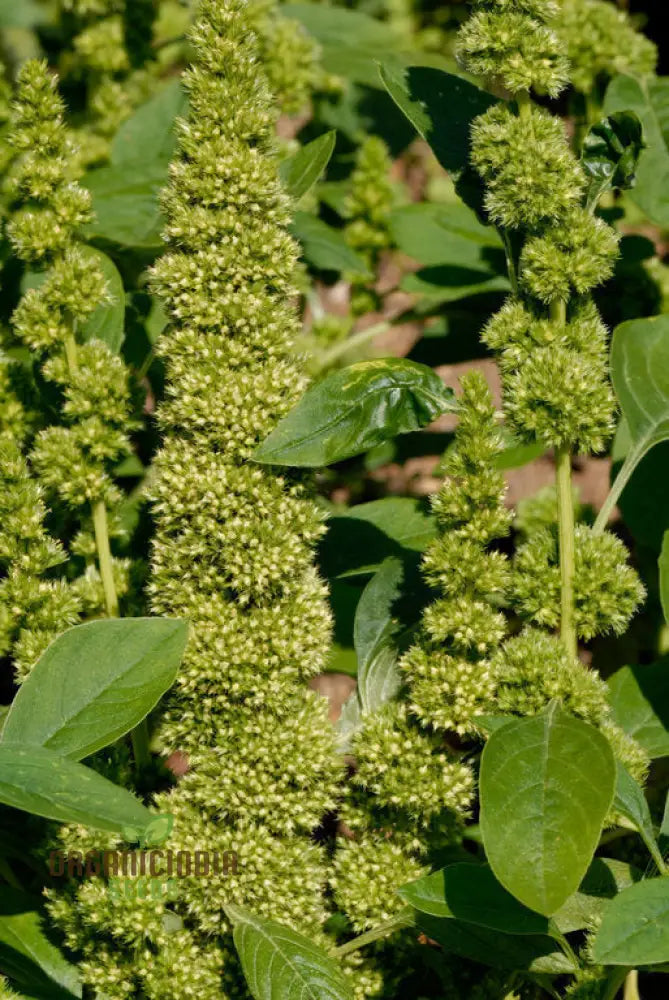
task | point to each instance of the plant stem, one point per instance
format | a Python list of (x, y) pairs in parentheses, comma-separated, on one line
[(617, 977), (140, 745), (565, 505), (357, 340), (104, 557), (403, 919), (510, 263), (71, 352), (632, 986)]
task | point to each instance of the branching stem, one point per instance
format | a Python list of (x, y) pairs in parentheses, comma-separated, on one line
[(403, 919)]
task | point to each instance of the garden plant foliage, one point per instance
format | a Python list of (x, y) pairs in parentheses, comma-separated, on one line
[(334, 416)]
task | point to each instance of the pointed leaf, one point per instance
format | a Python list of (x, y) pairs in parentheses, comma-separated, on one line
[(27, 955), (107, 322), (374, 634), (639, 697), (635, 927), (547, 784), (471, 893), (96, 682), (280, 964), (41, 782), (355, 409), (631, 802), (325, 247), (300, 172)]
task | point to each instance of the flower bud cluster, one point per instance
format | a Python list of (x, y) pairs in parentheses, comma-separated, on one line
[(601, 42), (233, 548)]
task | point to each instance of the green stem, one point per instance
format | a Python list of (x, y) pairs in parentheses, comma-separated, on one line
[(357, 340), (624, 475), (632, 986), (565, 506), (616, 979), (71, 352), (140, 745), (101, 529), (404, 919), (510, 262)]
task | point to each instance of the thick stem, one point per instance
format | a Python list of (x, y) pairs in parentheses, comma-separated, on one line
[(565, 509), (105, 558), (140, 745), (71, 352), (632, 986)]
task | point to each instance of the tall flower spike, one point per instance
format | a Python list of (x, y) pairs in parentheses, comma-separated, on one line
[(74, 460), (552, 349), (233, 549)]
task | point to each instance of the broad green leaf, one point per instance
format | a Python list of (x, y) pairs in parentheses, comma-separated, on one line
[(434, 233), (610, 154), (149, 133), (648, 100), (441, 107), (355, 409), (107, 322), (96, 682), (375, 633), (605, 878), (359, 539), (471, 893), (450, 282), (491, 723), (536, 953), (325, 247), (351, 42), (640, 374), (642, 502), (663, 566), (631, 802), (280, 964), (42, 782), (635, 927), (125, 204), (547, 784), (300, 172), (21, 14), (639, 697), (27, 955)]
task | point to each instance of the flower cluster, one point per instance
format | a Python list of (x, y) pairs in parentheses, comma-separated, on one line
[(601, 41), (232, 552)]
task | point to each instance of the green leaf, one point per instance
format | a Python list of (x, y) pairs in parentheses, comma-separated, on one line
[(159, 829), (280, 964), (358, 540), (355, 409), (107, 322), (528, 953), (325, 247), (640, 375), (610, 154), (631, 802), (450, 282), (441, 107), (434, 234), (300, 172), (42, 782), (663, 566), (491, 723), (350, 41), (648, 100), (639, 697), (24, 14), (125, 194), (605, 878), (149, 132), (96, 682), (375, 633), (471, 893), (635, 927), (547, 784), (125, 203), (27, 955)]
